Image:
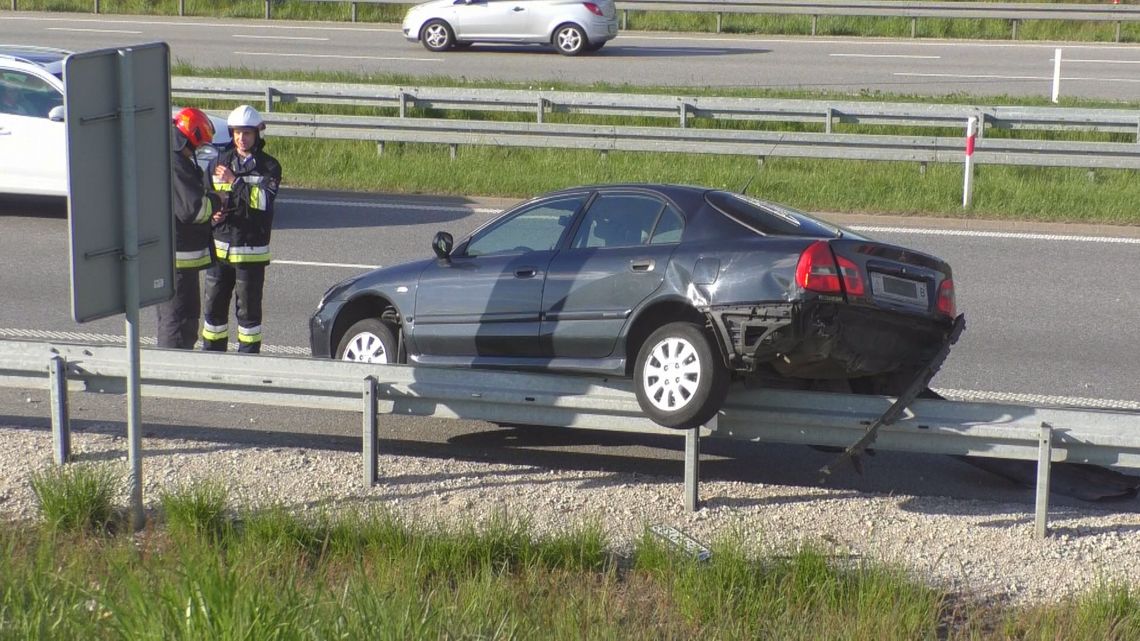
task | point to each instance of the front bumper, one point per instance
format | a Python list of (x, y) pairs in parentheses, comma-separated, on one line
[(321, 329)]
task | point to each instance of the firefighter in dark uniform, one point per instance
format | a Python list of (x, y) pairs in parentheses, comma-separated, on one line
[(194, 204), (247, 179)]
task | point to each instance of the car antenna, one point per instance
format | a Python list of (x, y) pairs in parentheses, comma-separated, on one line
[(744, 189)]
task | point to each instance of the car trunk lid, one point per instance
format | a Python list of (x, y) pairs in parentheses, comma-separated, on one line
[(891, 277)]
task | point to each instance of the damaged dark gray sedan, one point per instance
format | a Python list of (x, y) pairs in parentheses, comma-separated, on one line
[(681, 288)]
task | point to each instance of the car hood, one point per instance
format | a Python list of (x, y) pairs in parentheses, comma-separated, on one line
[(431, 5)]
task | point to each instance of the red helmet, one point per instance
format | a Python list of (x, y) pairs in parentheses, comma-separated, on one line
[(195, 125)]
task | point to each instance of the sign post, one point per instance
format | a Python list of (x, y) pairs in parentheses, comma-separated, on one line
[(119, 201)]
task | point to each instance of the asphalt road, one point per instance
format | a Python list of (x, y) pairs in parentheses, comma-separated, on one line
[(1050, 310), (925, 67)]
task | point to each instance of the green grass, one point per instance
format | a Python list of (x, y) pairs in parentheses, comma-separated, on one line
[(76, 498), (274, 575), (986, 29)]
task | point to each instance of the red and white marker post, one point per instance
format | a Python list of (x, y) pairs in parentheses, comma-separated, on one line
[(968, 187)]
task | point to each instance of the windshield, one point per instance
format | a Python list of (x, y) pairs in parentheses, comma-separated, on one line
[(768, 218)]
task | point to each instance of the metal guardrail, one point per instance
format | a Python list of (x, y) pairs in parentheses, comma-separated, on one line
[(1107, 438), (683, 138)]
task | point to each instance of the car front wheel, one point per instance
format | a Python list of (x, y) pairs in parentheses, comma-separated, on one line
[(569, 40), (368, 341), (678, 378), (437, 36)]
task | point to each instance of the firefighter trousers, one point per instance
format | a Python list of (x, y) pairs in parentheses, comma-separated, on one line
[(244, 284), (178, 317)]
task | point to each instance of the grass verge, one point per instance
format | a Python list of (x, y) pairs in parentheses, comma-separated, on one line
[(273, 575)]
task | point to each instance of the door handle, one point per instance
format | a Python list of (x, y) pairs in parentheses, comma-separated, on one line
[(519, 9), (525, 272), (642, 264)]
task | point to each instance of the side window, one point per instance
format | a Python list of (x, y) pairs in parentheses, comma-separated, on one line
[(537, 228), (618, 220), (23, 94), (669, 227)]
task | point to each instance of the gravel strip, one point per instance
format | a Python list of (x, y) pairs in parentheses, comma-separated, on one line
[(956, 544)]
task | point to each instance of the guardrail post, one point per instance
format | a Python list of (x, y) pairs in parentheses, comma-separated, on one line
[(60, 422), (96, 6), (1015, 21), (692, 468), (181, 8), (814, 20), (1118, 31), (827, 120), (914, 26), (267, 10), (624, 17), (353, 11), (1044, 462), (380, 148), (718, 20), (268, 99), (403, 104), (368, 436), (453, 150), (683, 109), (540, 110)]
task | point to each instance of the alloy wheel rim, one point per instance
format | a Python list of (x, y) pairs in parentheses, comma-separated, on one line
[(366, 348), (436, 35), (672, 374), (569, 40)]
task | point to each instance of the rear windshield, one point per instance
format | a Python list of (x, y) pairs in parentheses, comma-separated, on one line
[(769, 218)]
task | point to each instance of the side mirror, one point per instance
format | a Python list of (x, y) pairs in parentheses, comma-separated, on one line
[(56, 114), (442, 244)]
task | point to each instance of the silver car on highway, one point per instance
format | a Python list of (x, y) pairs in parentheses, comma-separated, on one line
[(571, 26)]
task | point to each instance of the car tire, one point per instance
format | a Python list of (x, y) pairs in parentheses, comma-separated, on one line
[(569, 40), (436, 35), (368, 341), (699, 380)]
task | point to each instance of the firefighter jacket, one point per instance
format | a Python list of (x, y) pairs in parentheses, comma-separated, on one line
[(242, 238), (193, 202)]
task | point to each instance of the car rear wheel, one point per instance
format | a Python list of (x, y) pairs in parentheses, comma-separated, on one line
[(678, 379), (437, 36), (368, 341), (569, 40)]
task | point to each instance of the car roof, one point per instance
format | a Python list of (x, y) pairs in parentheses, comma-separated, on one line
[(49, 58)]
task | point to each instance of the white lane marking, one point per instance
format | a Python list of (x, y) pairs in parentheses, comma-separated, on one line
[(867, 228), (975, 44), (982, 76), (132, 33), (114, 339), (375, 205), (306, 263), (329, 55), (883, 55), (244, 35), (1017, 398), (997, 234), (1065, 60), (193, 24)]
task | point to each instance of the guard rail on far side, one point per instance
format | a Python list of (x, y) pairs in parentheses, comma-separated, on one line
[(685, 137), (1107, 438)]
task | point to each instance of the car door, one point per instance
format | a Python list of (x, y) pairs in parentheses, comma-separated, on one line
[(491, 19), (33, 148), (486, 301), (617, 259)]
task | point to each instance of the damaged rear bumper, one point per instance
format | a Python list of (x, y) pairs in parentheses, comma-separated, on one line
[(825, 340)]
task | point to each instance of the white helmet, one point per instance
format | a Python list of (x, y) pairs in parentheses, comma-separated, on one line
[(245, 116)]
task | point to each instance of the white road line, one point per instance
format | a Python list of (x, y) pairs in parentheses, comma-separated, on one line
[(1065, 60), (982, 76), (194, 24), (974, 44), (996, 234), (132, 33), (329, 55), (883, 55), (306, 263), (244, 35)]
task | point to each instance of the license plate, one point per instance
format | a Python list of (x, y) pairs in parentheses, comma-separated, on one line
[(903, 290)]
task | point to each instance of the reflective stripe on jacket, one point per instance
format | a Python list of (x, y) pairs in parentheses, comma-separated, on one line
[(242, 238), (193, 204)]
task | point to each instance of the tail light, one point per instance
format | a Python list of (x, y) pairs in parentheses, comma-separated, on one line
[(946, 300), (817, 271), (593, 8)]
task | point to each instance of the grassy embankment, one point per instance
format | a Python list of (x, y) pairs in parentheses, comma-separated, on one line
[(1012, 193), (202, 571)]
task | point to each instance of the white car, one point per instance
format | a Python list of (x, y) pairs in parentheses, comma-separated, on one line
[(33, 136), (571, 26)]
